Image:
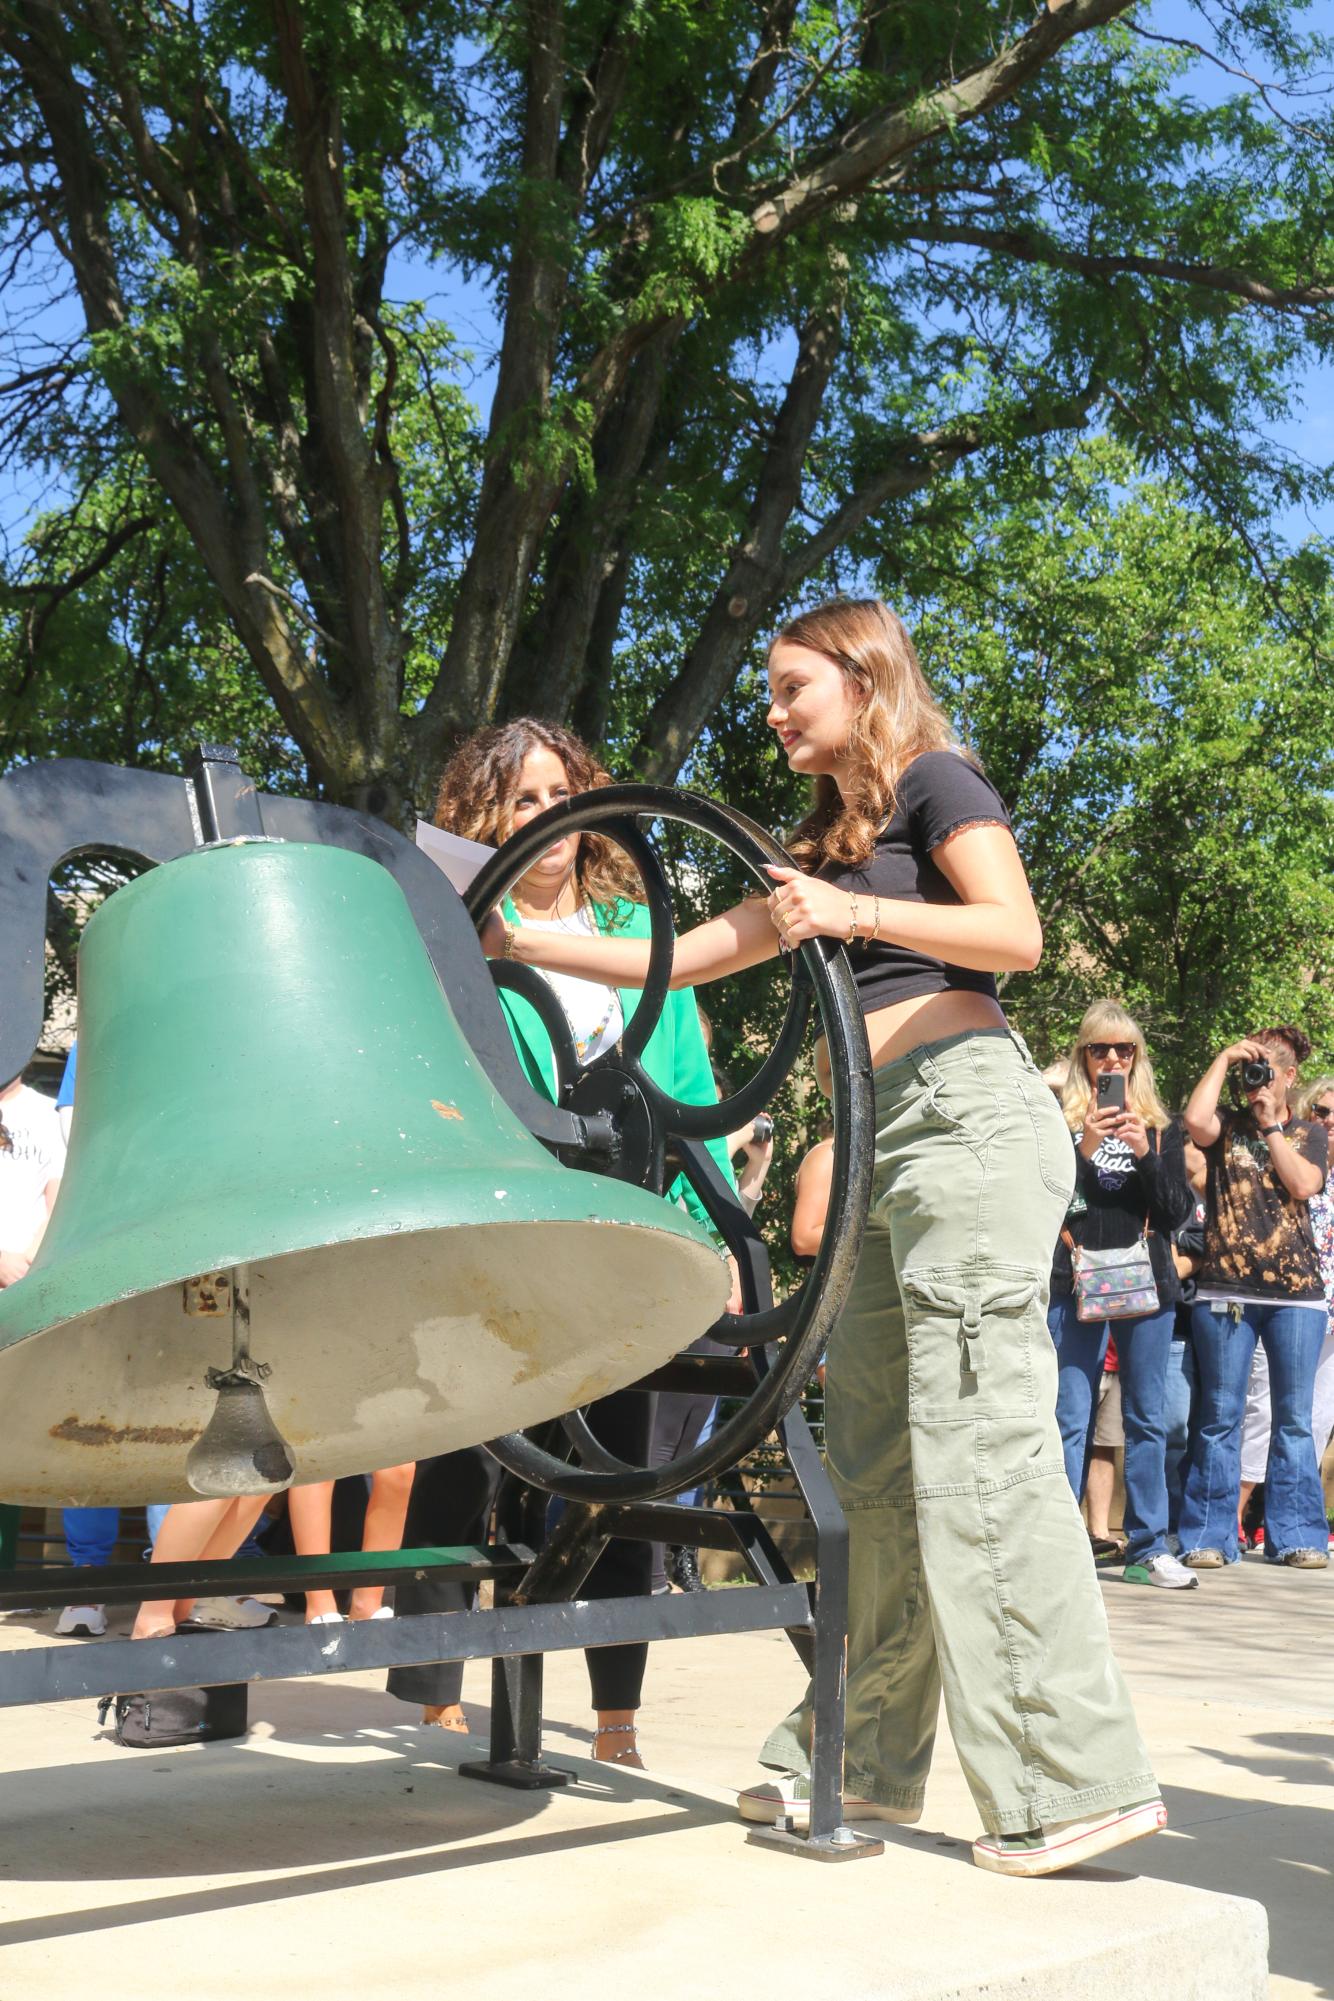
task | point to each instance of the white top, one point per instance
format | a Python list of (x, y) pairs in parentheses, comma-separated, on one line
[(592, 1010), (36, 1157)]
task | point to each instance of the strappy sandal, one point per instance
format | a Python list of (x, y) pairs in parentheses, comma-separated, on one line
[(628, 1755)]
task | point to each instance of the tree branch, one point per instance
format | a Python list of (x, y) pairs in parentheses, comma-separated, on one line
[(1032, 246)]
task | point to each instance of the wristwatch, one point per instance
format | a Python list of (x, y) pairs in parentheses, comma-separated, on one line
[(1266, 1130)]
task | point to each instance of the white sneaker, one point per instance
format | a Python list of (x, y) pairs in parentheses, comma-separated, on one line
[(229, 1615), (1163, 1570), (89, 1621), (1064, 1845), (325, 1619), (789, 1798)]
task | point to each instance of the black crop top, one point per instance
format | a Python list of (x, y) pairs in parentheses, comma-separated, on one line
[(939, 793)]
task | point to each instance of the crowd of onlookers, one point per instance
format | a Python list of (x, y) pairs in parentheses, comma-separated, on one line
[(1191, 1302)]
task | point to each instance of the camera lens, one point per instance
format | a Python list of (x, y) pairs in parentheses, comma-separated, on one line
[(1255, 1076), (763, 1129)]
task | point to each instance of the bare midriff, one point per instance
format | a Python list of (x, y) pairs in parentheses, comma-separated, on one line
[(894, 1031)]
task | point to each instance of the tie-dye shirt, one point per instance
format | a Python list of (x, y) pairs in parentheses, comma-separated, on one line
[(1259, 1242)]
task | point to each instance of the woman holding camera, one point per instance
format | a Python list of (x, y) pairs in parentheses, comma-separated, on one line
[(582, 888), (1260, 1281), (1130, 1195), (970, 1569)]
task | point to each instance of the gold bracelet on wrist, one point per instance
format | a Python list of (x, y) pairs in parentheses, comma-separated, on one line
[(852, 920), (511, 933), (875, 921)]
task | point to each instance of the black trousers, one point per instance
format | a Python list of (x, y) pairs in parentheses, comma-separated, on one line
[(452, 1498)]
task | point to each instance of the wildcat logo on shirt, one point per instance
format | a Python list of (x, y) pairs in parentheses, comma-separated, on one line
[(1113, 1163)]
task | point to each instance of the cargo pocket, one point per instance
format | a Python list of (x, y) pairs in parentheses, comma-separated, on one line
[(970, 1344)]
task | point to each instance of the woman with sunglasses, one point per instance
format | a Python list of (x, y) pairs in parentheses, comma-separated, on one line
[(1130, 1188), (970, 1569), (1316, 1103)]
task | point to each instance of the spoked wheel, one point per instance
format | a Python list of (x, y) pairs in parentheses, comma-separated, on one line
[(656, 1132)]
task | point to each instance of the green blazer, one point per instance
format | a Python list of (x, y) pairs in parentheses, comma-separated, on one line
[(674, 1056)]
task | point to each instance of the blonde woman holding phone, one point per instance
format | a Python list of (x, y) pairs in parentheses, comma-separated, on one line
[(1131, 1193)]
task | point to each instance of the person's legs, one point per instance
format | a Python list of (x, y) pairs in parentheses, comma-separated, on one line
[(1322, 1410), (1178, 1397), (1099, 1487), (1080, 1348), (386, 1517), (310, 1513), (1142, 1347), (1294, 1499), (893, 1686), (451, 1501), (90, 1534), (623, 1423), (1223, 1346), (1255, 1430), (969, 1559), (189, 1531), (1036, 1704)]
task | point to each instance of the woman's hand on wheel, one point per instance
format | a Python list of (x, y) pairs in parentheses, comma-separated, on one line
[(803, 907)]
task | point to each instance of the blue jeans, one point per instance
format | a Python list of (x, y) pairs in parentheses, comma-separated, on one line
[(1294, 1501), (1177, 1402), (90, 1533), (1142, 1348)]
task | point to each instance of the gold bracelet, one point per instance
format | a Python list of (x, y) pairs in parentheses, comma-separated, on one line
[(875, 921), (511, 933), (852, 922)]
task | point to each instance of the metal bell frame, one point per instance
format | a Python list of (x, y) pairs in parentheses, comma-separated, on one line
[(610, 1118)]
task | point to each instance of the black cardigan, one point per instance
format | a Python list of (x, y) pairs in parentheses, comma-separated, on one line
[(1118, 1202)]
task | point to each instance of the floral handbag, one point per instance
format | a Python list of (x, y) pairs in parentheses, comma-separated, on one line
[(1113, 1285)]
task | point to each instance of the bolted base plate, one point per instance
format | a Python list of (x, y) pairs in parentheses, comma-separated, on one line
[(843, 1845), (516, 1773)]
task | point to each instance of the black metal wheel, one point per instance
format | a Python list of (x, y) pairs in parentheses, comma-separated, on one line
[(658, 1135)]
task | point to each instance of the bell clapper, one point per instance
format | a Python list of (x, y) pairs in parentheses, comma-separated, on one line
[(241, 1450)]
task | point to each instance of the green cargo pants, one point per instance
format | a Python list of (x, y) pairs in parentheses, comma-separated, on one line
[(970, 1567)]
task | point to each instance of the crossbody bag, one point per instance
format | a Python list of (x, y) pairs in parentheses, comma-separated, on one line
[(1114, 1284)]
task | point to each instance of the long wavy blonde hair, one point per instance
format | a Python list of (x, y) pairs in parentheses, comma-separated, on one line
[(897, 718), (480, 784), (1107, 1021)]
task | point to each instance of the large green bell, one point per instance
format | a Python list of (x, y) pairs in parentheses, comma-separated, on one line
[(276, 1105)]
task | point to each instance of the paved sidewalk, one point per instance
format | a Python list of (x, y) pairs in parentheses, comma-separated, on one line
[(336, 1853)]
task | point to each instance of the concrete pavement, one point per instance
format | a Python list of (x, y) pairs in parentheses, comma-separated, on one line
[(336, 1852)]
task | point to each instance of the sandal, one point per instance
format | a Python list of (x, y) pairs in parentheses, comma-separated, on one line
[(628, 1755)]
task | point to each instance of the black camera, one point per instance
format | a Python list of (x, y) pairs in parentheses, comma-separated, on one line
[(1256, 1074), (762, 1130)]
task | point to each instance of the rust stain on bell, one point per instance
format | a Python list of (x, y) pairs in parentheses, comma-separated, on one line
[(446, 1111), (99, 1432)]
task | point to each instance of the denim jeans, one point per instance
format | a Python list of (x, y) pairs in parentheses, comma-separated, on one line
[(1142, 1348), (1294, 1501), (90, 1533), (1178, 1403), (970, 1570)]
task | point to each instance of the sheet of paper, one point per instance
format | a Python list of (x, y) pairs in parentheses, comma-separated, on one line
[(460, 860)]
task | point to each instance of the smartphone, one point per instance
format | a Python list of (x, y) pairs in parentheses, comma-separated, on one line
[(1112, 1090)]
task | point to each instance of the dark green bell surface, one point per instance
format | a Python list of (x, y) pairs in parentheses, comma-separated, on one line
[(271, 1077)]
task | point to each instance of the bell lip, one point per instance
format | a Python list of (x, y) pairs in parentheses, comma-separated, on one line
[(27, 1309)]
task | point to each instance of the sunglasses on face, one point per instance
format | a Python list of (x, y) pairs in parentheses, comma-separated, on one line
[(1322, 1111), (1124, 1052)]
